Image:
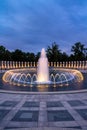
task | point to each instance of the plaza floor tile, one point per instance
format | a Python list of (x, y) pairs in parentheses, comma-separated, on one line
[(26, 116), (76, 103), (31, 104), (9, 104), (54, 104), (3, 113), (60, 115), (83, 113)]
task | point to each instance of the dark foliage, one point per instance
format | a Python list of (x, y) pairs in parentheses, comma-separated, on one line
[(54, 54)]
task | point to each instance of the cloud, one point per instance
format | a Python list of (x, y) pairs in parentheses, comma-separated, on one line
[(31, 25)]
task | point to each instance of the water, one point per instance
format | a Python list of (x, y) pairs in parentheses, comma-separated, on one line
[(73, 85), (43, 76), (43, 70)]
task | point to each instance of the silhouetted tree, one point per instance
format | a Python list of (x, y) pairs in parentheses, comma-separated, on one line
[(37, 56), (79, 51), (7, 56), (18, 55), (30, 57), (64, 57), (53, 52), (2, 52)]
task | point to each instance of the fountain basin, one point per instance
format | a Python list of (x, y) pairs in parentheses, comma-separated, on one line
[(43, 78), (25, 77)]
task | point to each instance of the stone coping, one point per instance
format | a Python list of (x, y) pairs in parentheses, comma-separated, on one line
[(44, 128), (37, 93)]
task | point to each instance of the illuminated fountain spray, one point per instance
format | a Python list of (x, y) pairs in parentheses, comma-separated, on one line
[(43, 70), (42, 75)]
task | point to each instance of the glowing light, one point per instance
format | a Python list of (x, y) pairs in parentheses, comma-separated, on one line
[(43, 70), (23, 77)]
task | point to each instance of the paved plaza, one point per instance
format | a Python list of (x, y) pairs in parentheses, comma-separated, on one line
[(43, 111)]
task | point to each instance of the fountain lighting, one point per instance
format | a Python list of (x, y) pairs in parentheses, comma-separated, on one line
[(43, 70), (42, 74)]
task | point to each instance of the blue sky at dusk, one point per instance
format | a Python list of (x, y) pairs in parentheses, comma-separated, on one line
[(30, 25)]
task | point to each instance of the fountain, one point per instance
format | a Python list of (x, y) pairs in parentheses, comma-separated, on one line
[(42, 74), (43, 70)]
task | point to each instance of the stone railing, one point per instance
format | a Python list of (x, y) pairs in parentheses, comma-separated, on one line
[(67, 64)]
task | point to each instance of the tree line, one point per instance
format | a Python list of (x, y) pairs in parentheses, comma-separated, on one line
[(54, 54)]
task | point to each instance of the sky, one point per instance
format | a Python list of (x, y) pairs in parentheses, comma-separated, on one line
[(30, 25)]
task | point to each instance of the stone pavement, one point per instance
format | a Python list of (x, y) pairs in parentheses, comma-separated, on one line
[(43, 111)]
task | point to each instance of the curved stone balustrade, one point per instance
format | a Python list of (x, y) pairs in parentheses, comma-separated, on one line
[(21, 64)]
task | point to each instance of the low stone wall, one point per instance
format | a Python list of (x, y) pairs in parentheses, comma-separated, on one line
[(67, 64)]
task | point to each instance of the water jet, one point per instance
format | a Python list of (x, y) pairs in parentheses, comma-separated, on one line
[(42, 75)]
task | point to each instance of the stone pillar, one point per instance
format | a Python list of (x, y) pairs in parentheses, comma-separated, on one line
[(77, 64), (10, 64), (51, 64), (83, 64), (86, 65), (5, 64), (74, 64), (2, 64), (57, 64), (69, 64), (37, 64), (25, 64), (13, 64), (16, 64), (54, 64), (28, 64), (22, 64), (63, 64), (48, 64), (60, 64), (80, 64), (19, 64), (66, 64)]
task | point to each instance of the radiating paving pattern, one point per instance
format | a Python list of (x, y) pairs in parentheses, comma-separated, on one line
[(43, 111)]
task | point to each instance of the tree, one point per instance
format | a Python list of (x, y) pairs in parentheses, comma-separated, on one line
[(7, 56), (37, 56), (30, 57), (53, 53), (2, 52), (18, 55), (79, 51), (64, 57)]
